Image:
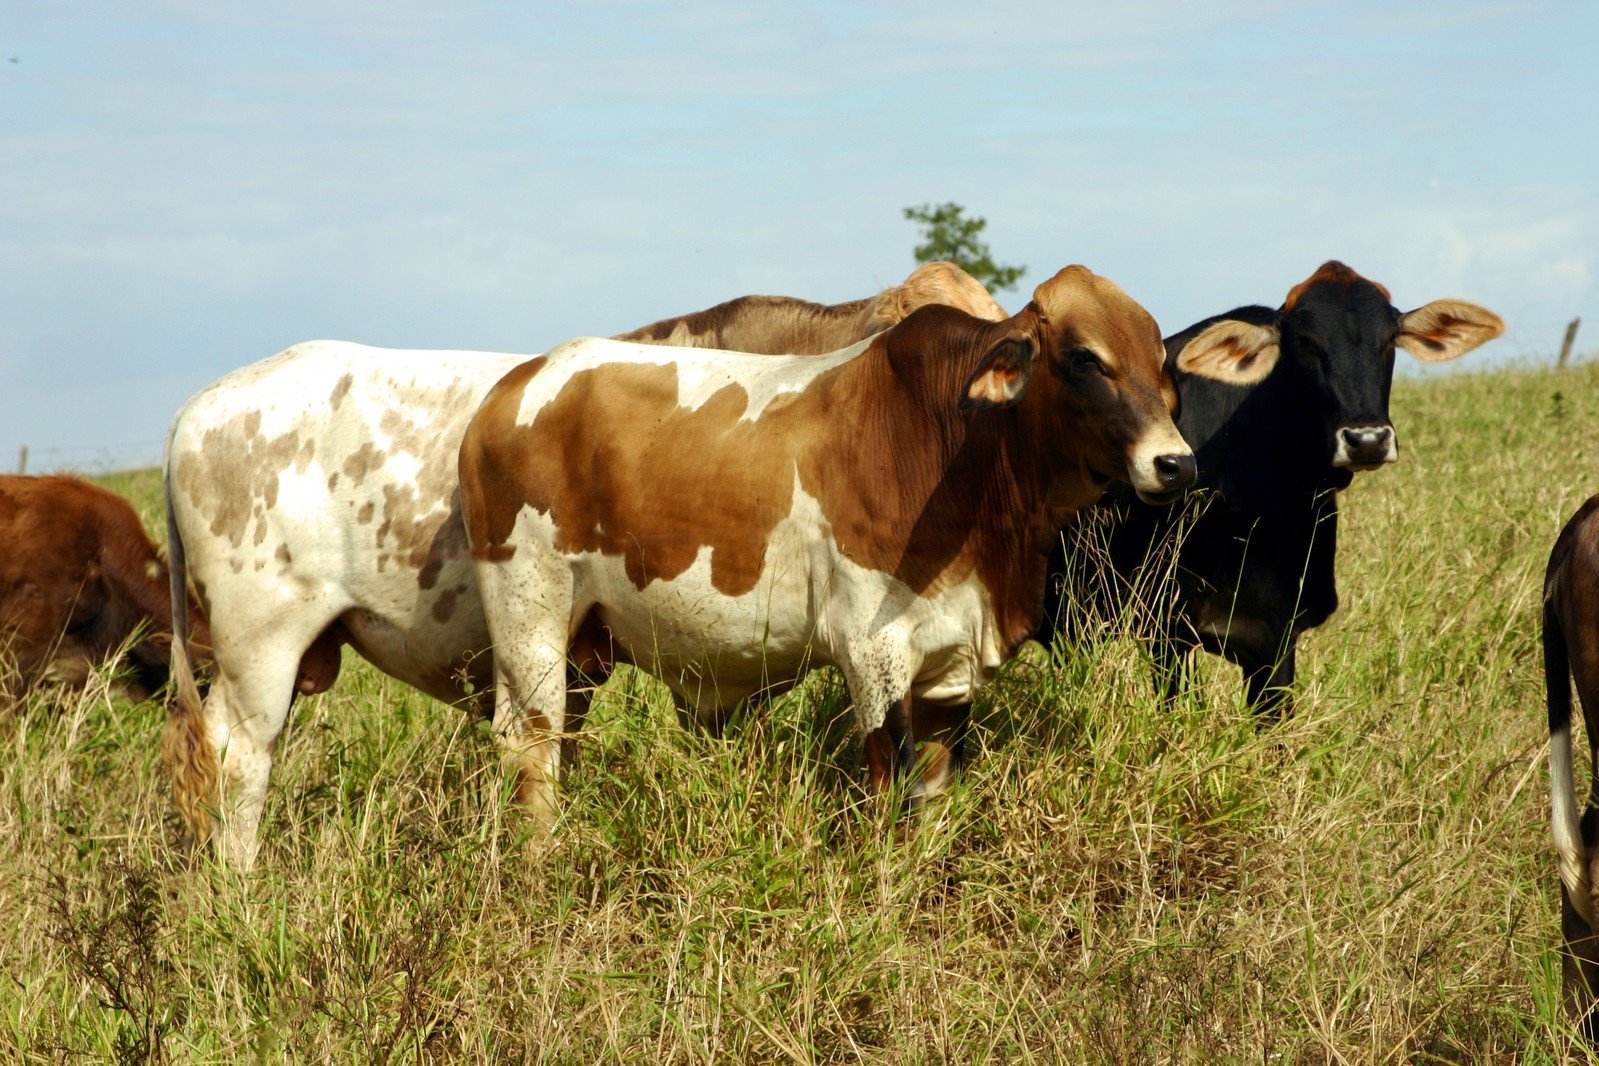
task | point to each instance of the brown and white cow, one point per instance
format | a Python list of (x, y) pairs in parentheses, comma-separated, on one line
[(774, 324), (313, 499), (81, 584), (731, 521)]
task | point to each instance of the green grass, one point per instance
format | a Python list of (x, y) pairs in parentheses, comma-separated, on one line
[(1111, 880)]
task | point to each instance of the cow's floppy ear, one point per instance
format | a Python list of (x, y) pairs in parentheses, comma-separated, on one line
[(1002, 377), (1446, 329), (1234, 351)]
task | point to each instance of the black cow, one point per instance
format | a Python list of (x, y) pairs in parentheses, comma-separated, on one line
[(1252, 558), (1571, 659)]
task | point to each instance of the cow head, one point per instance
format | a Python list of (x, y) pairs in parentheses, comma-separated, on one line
[(1088, 361), (1334, 337)]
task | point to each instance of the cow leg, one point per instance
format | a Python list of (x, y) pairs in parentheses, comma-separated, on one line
[(1268, 687), (529, 720), (891, 751), (528, 602), (244, 711), (530, 700), (1168, 660), (940, 730), (1580, 958), (591, 659)]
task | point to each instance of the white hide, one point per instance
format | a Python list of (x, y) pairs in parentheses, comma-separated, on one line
[(389, 425), (338, 563)]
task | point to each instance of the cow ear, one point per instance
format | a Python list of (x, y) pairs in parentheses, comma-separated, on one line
[(1446, 329), (1233, 351), (1001, 378)]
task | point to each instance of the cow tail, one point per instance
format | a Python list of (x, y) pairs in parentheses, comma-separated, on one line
[(1565, 819), (190, 758)]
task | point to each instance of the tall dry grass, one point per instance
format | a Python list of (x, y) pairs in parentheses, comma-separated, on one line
[(1112, 880)]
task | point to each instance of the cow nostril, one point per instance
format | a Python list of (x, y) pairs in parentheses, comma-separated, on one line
[(1366, 437), (1175, 470), (1365, 446)]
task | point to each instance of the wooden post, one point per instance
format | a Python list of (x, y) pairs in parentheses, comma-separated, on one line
[(1565, 345), (22, 460)]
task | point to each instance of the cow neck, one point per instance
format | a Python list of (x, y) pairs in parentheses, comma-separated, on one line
[(1254, 446), (948, 492)]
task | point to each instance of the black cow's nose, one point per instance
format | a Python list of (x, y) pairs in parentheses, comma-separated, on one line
[(1176, 471), (1367, 445)]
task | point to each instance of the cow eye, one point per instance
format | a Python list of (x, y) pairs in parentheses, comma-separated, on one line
[(1085, 359)]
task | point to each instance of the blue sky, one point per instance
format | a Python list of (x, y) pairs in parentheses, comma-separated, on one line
[(188, 187)]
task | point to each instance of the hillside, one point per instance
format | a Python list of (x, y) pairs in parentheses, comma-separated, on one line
[(1111, 881)]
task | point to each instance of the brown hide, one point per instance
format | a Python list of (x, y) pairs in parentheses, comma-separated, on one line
[(78, 576), (776, 325)]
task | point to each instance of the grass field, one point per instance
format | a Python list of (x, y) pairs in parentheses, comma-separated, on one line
[(1111, 881)]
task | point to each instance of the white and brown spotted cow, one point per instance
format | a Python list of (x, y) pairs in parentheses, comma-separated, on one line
[(730, 521), (313, 499)]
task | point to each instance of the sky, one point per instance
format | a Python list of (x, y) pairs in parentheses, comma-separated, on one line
[(187, 187)]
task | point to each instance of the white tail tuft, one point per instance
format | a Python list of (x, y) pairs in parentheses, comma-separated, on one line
[(1567, 826)]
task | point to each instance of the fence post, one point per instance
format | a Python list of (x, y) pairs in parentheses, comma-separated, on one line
[(22, 460), (1565, 346)]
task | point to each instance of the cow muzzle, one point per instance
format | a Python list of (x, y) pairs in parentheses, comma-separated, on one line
[(1364, 447), (1165, 477)]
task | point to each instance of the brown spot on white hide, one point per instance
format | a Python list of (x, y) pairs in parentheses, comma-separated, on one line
[(233, 475)]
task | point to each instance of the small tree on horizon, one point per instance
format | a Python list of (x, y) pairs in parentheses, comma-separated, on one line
[(948, 234)]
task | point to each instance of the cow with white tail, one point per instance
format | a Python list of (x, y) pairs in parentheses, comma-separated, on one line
[(1571, 652)]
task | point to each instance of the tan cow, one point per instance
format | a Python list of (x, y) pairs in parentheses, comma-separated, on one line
[(733, 520), (782, 324), (312, 497)]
